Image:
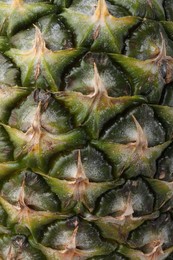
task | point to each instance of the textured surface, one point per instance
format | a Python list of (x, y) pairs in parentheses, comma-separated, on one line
[(86, 126)]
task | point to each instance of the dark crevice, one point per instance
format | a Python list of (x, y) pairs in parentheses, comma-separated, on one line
[(68, 29), (115, 119), (152, 192), (69, 68), (105, 158), (122, 7), (130, 33), (160, 157), (69, 3), (164, 8), (161, 101), (98, 200)]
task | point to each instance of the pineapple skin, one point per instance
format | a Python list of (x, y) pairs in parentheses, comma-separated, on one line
[(86, 126)]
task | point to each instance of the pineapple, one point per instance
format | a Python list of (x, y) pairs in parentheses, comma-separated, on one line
[(86, 126)]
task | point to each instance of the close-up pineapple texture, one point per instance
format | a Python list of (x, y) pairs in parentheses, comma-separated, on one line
[(86, 128)]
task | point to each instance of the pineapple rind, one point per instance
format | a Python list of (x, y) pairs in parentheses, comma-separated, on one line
[(86, 116)]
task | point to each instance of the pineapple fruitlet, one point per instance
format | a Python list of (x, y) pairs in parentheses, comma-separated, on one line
[(86, 127)]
